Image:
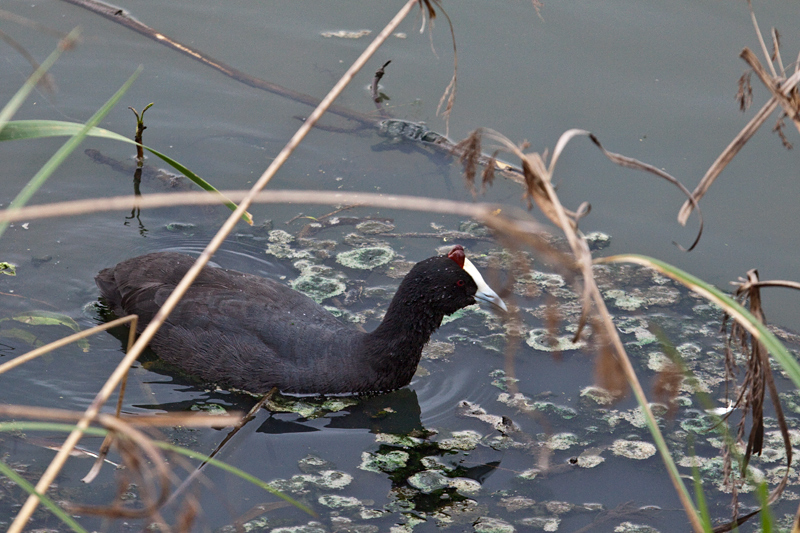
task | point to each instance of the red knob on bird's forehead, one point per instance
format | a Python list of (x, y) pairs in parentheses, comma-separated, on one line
[(457, 254)]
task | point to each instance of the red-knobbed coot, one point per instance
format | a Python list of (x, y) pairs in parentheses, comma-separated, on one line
[(252, 333)]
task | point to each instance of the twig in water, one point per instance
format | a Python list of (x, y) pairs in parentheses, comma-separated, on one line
[(375, 80), (120, 16), (245, 419)]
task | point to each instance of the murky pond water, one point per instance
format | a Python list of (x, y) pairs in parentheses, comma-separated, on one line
[(653, 80)]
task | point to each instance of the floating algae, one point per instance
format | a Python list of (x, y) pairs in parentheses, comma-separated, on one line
[(367, 258)]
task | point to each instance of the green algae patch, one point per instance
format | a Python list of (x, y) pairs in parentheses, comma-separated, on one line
[(633, 449), (598, 395), (367, 258), (308, 408), (210, 409), (383, 462), (562, 441), (311, 527), (318, 287), (630, 527), (335, 501), (590, 459), (541, 339), (486, 524), (429, 481), (543, 523), (461, 440), (374, 227)]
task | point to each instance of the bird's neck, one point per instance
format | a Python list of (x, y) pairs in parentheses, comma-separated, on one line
[(397, 342)]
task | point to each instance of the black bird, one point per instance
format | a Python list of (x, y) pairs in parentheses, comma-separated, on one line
[(251, 333)]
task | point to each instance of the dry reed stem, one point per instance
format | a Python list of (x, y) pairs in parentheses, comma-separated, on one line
[(757, 381), (239, 425), (144, 462), (33, 25), (776, 52), (583, 256), (760, 38), (771, 83), (33, 354), (735, 145), (774, 283), (538, 179), (161, 420), (483, 212), (148, 333), (108, 441)]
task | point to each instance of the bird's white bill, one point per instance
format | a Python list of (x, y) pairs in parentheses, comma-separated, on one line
[(485, 293)]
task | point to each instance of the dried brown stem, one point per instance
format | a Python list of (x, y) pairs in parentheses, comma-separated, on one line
[(120, 16), (147, 335), (788, 105), (733, 148), (33, 354)]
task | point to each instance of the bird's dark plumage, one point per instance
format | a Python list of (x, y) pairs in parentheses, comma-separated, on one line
[(253, 333)]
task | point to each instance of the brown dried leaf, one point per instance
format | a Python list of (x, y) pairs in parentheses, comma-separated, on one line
[(608, 372), (667, 386), (629, 162), (744, 95), (758, 379), (778, 128), (470, 152), (552, 321), (787, 88), (428, 4), (776, 46), (487, 177)]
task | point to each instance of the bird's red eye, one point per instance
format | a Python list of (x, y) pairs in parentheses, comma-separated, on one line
[(460, 283)]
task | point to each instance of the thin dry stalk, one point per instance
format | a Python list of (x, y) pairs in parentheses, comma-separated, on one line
[(240, 424), (760, 38), (46, 82), (33, 354), (744, 95), (28, 23), (757, 381), (630, 162), (449, 94), (538, 178), (72, 338), (788, 102), (148, 333), (148, 421), (522, 221), (776, 52), (124, 18), (144, 464), (786, 89)]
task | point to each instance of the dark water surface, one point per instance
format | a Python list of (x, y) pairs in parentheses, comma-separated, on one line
[(653, 80)]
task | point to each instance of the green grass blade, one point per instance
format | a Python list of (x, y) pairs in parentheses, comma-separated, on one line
[(100, 432), (203, 184), (16, 101), (700, 496), (713, 294), (767, 520), (35, 129), (666, 456), (67, 148), (19, 130), (233, 470), (43, 499)]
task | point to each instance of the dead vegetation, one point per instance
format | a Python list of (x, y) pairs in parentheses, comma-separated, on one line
[(515, 230)]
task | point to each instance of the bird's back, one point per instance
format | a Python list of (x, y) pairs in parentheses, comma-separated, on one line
[(235, 329)]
